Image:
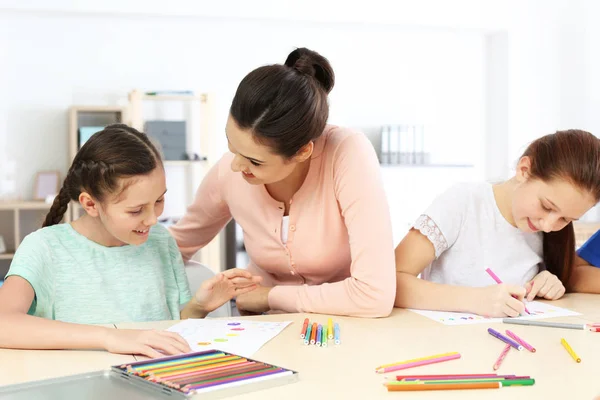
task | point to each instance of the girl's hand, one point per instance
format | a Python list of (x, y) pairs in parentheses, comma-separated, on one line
[(545, 285), (498, 301), (149, 343), (221, 288)]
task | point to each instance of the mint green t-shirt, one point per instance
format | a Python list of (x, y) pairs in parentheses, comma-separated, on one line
[(78, 280)]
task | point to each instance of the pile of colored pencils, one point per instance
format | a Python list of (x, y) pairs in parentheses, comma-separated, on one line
[(196, 371), (405, 383)]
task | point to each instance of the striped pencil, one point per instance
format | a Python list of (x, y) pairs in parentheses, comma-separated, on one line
[(520, 341), (502, 356)]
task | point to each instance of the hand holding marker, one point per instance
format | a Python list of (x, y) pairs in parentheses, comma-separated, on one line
[(498, 281)]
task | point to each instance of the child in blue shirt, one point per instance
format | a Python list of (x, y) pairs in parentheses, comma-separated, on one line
[(114, 264), (586, 273)]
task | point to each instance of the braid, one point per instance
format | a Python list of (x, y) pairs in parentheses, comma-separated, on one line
[(59, 206)]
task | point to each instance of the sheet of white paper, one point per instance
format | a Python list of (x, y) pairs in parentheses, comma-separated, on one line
[(241, 337), (538, 311)]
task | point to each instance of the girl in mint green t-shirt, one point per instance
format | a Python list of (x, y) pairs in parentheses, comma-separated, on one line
[(114, 264)]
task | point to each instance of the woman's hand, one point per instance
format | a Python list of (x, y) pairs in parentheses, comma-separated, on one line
[(256, 301), (221, 288)]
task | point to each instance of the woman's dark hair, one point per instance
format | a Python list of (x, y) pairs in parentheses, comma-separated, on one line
[(118, 151), (285, 106), (572, 155)]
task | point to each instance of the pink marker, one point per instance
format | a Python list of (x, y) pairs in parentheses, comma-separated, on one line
[(498, 281)]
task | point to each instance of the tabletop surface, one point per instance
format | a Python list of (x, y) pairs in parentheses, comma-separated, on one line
[(348, 370)]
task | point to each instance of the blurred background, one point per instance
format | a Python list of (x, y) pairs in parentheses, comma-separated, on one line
[(447, 90)]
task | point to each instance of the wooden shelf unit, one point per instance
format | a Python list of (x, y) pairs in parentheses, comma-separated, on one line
[(202, 135), (14, 237)]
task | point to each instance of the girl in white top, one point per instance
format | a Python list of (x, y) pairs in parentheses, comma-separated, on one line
[(521, 229)]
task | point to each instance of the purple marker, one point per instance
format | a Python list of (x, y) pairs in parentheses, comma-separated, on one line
[(506, 340)]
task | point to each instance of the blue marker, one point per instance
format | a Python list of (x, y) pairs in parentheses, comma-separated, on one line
[(336, 333)]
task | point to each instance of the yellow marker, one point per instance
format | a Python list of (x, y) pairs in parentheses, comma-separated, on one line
[(570, 350), (330, 328)]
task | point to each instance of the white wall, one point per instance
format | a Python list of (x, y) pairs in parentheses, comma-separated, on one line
[(384, 74), (514, 68)]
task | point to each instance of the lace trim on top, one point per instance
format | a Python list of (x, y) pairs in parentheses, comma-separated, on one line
[(430, 230)]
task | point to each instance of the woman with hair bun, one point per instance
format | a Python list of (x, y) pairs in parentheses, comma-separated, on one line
[(308, 196)]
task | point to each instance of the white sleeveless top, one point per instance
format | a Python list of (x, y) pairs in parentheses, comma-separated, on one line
[(470, 234)]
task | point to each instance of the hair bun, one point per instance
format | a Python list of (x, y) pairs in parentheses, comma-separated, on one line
[(313, 64)]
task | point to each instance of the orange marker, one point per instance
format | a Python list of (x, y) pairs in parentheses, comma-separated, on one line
[(313, 334)]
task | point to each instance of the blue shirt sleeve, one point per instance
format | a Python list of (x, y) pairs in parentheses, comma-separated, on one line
[(590, 251)]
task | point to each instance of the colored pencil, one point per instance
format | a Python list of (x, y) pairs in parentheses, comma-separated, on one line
[(154, 365), (418, 363), (313, 334), (545, 324), (504, 381), (506, 340), (230, 369), (304, 327), (570, 350), (444, 386), (336, 333), (192, 364), (451, 376), (188, 370), (330, 329), (308, 334), (416, 359), (184, 374), (520, 341), (199, 371), (197, 379), (325, 336), (219, 374), (502, 356), (236, 378), (498, 281), (492, 376)]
